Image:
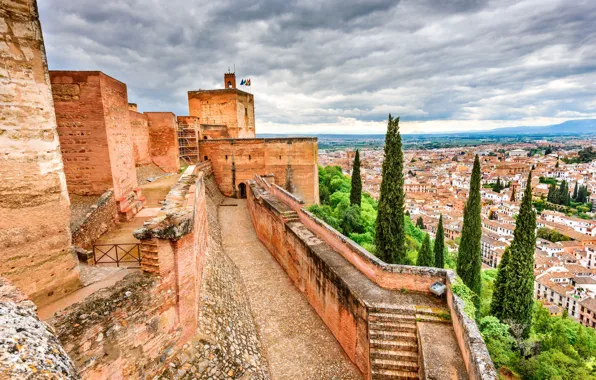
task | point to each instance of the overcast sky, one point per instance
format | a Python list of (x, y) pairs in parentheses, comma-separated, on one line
[(340, 66)]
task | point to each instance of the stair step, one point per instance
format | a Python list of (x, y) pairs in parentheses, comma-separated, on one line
[(394, 345), (383, 353), (375, 316), (382, 374), (394, 335), (392, 326), (395, 365), (431, 318), (392, 310)]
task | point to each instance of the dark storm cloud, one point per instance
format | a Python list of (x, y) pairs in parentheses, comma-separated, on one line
[(324, 62)]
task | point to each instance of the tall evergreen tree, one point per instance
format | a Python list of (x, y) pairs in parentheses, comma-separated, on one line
[(518, 291), (575, 192), (552, 189), (390, 229), (469, 260), (439, 248), (425, 256), (498, 186), (356, 190), (420, 223), (496, 305)]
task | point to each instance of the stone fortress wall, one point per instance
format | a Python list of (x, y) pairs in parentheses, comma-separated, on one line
[(292, 162), (228, 107), (35, 242), (96, 136)]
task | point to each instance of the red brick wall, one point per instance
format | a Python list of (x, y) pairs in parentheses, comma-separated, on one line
[(139, 124), (35, 246), (119, 133), (164, 140), (294, 159), (82, 131)]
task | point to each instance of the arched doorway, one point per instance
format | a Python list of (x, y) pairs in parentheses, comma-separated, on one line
[(242, 188)]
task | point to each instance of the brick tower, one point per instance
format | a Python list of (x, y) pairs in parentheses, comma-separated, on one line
[(230, 80)]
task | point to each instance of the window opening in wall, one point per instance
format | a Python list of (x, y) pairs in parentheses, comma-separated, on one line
[(229, 84), (226, 157), (280, 156), (206, 158), (205, 137), (249, 158), (246, 112)]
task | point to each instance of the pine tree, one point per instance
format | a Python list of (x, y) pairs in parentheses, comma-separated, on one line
[(575, 192), (390, 229), (469, 261), (425, 256), (356, 190), (439, 248), (496, 305), (420, 223), (518, 292)]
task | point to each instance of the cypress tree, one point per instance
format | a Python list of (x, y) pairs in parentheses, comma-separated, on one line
[(390, 237), (518, 291), (496, 305), (551, 193), (469, 260), (575, 192), (425, 256), (439, 248), (356, 190), (498, 186), (420, 223)]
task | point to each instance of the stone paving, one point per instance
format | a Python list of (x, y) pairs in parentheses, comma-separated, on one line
[(227, 343), (296, 342)]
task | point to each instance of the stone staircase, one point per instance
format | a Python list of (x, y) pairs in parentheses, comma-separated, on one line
[(290, 216), (394, 340)]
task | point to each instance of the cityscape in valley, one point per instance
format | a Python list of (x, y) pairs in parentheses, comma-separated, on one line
[(433, 218)]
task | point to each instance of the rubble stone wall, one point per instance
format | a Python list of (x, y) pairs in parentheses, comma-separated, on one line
[(100, 219), (135, 328), (292, 161), (29, 347), (139, 124), (35, 252), (164, 140)]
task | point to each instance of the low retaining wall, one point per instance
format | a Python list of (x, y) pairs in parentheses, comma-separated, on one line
[(343, 313), (346, 314), (98, 221), (135, 328)]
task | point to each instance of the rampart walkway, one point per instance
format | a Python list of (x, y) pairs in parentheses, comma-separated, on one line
[(297, 343)]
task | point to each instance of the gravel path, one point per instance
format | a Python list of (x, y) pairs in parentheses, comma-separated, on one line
[(297, 343)]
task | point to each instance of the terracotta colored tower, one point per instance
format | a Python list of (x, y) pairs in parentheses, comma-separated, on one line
[(230, 80)]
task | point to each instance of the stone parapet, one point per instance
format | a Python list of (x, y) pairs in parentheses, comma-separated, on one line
[(266, 199)]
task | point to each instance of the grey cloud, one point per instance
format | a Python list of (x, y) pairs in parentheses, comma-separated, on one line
[(314, 61)]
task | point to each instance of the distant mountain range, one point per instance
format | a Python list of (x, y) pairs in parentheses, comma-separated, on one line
[(570, 127)]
